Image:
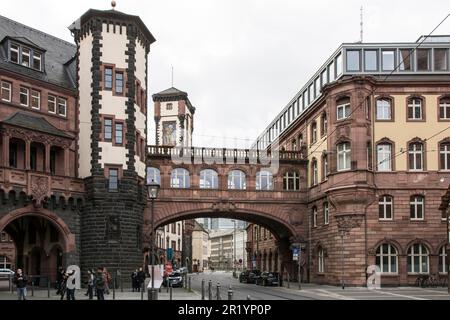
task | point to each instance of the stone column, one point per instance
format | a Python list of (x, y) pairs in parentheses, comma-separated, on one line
[(47, 158), (27, 154), (5, 142), (66, 161)]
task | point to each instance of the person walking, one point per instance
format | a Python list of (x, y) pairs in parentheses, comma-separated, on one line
[(21, 280), (70, 285), (100, 283), (140, 279), (90, 284), (63, 286), (134, 280), (107, 280)]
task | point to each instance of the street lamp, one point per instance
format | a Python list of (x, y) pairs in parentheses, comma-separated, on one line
[(152, 191)]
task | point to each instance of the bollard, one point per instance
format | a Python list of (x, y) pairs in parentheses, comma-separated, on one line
[(209, 290), (48, 288), (167, 284), (142, 292), (230, 293), (10, 283), (121, 283), (288, 285), (114, 288), (248, 297), (170, 292), (32, 287), (203, 289), (218, 291), (189, 284)]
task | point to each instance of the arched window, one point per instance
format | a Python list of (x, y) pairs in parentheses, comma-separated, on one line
[(323, 124), (343, 109), (313, 132), (314, 217), (5, 263), (208, 179), (321, 266), (443, 260), (324, 167), (444, 108), (264, 180), (344, 156), (180, 178), (385, 208), (417, 204), (415, 109), (444, 154), (314, 173), (387, 258), (415, 156), (291, 181), (294, 145), (418, 261), (326, 213), (384, 109), (153, 174), (236, 180), (384, 156)]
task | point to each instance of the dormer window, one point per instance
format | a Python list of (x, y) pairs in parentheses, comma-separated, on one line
[(25, 56)]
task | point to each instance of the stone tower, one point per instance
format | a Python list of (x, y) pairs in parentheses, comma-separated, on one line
[(112, 50)]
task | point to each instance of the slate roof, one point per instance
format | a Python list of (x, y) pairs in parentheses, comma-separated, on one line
[(36, 123), (59, 66), (173, 94)]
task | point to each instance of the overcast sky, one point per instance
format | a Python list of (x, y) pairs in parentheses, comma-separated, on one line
[(241, 61)]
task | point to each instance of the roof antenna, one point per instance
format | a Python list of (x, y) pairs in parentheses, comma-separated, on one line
[(361, 25), (113, 4), (172, 76)]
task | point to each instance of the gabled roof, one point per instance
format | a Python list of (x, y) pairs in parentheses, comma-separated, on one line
[(31, 122), (57, 53), (198, 227), (173, 94)]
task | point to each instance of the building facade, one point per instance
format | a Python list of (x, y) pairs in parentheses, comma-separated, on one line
[(200, 248), (227, 248), (261, 249)]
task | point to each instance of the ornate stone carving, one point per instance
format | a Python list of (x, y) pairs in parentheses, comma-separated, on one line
[(223, 206), (39, 189), (348, 222), (295, 215)]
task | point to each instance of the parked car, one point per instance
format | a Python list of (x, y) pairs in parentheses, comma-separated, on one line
[(175, 279), (268, 279), (5, 272), (249, 276), (182, 270)]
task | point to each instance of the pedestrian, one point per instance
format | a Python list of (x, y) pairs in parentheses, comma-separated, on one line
[(21, 280), (108, 280), (90, 284), (70, 285), (134, 280), (100, 284), (59, 276), (141, 279), (63, 286)]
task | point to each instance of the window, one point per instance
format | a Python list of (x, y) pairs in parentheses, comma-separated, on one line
[(5, 263), (24, 96), (444, 108), (108, 129), (209, 179), (6, 91), (153, 174), (441, 59), (343, 108), (331, 72), (51, 104), (62, 107), (179, 229), (314, 173), (119, 82), (371, 60), (418, 259), (384, 156), (113, 182), (443, 260), (324, 77), (385, 208), (406, 60), (368, 108), (384, 109), (53, 161), (13, 155), (416, 205), (26, 53), (169, 106), (14, 53), (326, 213), (423, 59), (37, 61), (415, 156), (344, 156), (324, 124), (314, 217), (317, 87), (444, 153), (339, 65), (119, 133), (294, 145), (388, 60), (33, 158), (387, 258), (236, 180), (180, 178), (311, 93), (313, 132), (108, 78), (324, 167), (35, 99), (291, 181), (264, 180), (321, 261), (353, 60), (415, 111)]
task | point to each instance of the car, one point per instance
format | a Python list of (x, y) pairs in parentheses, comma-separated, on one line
[(268, 279), (4, 273), (175, 280), (249, 276), (182, 270), (243, 276)]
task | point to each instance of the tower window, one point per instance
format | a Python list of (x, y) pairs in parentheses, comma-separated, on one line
[(119, 82), (108, 78)]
